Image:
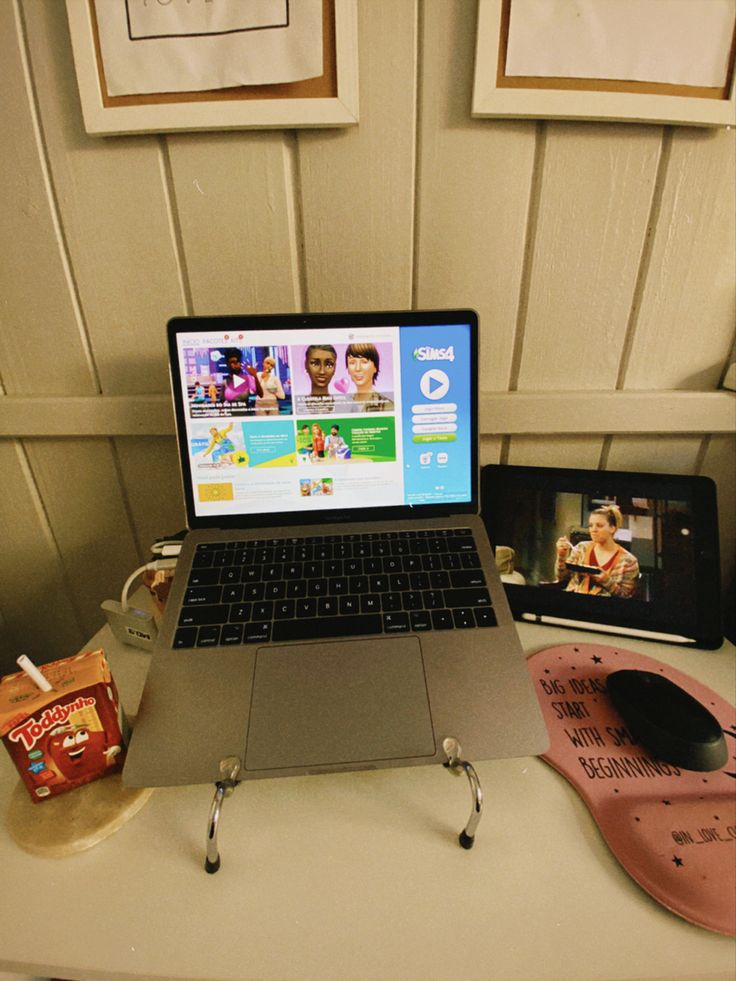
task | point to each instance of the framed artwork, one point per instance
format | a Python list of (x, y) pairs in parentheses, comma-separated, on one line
[(649, 61), (147, 66)]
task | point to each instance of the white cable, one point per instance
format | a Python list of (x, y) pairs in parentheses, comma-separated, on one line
[(158, 564), (168, 549)]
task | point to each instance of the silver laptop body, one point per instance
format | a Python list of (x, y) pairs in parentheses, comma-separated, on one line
[(336, 603)]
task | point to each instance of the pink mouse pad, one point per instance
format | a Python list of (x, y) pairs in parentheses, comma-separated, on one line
[(673, 830)]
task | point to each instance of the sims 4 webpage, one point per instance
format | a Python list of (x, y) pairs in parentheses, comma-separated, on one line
[(278, 420)]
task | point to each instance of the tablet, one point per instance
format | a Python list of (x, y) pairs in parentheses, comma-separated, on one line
[(618, 552)]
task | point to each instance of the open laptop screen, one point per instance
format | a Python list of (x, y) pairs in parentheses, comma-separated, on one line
[(291, 416)]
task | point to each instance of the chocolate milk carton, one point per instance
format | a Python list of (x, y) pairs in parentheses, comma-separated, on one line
[(67, 737)]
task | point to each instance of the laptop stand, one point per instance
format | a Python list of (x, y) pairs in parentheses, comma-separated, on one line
[(230, 767)]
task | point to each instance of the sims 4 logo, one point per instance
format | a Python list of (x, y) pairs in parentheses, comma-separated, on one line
[(434, 353)]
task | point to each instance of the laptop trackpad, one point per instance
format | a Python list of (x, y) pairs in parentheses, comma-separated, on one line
[(341, 702)]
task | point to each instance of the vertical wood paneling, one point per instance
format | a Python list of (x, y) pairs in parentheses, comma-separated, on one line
[(655, 454), (473, 192), (597, 184), (115, 220), (39, 615), (581, 452), (686, 321), (232, 193), (80, 487), (152, 482), (39, 323), (357, 185)]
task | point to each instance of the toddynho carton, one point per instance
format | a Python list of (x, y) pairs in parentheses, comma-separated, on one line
[(67, 737)]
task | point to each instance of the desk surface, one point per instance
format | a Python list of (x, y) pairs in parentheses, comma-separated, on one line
[(356, 876)]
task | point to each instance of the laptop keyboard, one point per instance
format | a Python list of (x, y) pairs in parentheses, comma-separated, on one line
[(327, 586)]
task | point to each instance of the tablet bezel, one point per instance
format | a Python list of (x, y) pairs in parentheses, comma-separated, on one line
[(504, 483)]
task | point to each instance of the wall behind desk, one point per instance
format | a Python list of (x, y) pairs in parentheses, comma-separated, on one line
[(600, 257)]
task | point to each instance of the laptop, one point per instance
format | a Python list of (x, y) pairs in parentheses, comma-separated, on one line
[(336, 604)]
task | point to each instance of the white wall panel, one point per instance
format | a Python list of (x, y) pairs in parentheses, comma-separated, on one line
[(41, 348), (655, 454), (39, 614), (233, 196), (553, 451), (357, 185), (473, 196), (596, 188), (685, 326), (79, 483), (114, 215)]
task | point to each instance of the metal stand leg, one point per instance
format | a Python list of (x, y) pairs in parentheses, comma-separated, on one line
[(456, 766), (229, 768)]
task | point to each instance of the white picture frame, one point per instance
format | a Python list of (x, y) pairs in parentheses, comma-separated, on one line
[(106, 116), (496, 95)]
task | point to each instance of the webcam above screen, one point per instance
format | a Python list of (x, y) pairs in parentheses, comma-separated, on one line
[(629, 553)]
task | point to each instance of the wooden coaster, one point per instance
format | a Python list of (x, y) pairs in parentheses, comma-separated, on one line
[(74, 821)]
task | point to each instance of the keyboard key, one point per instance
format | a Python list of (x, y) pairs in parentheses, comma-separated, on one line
[(306, 607), (370, 603), (328, 606), (257, 633), (208, 637), (203, 577), (442, 620), (391, 602), (396, 623), (194, 616), (200, 595), (349, 605), (463, 618), (326, 627), (284, 610), (467, 597), (232, 594), (420, 620), (433, 599), (231, 634), (185, 637), (239, 612), (485, 616), (467, 577), (262, 610)]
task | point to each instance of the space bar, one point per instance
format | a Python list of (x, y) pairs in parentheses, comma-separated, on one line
[(325, 627)]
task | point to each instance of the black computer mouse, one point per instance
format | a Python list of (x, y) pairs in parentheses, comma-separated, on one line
[(667, 721)]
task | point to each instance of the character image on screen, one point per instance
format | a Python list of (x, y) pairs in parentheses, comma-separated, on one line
[(273, 391), (320, 362), (599, 567), (363, 364), (318, 442), (221, 446), (242, 383), (335, 446)]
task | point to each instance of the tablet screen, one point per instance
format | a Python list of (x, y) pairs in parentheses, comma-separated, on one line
[(634, 552)]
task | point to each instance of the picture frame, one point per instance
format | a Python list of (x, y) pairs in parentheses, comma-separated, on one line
[(328, 101), (498, 94)]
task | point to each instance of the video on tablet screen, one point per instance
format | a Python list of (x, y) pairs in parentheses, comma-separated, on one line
[(618, 548)]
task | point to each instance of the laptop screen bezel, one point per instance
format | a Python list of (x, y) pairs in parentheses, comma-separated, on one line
[(311, 322)]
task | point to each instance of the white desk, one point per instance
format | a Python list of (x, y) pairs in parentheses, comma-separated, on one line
[(355, 876)]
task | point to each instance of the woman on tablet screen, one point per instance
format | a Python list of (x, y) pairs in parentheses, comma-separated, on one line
[(600, 567)]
